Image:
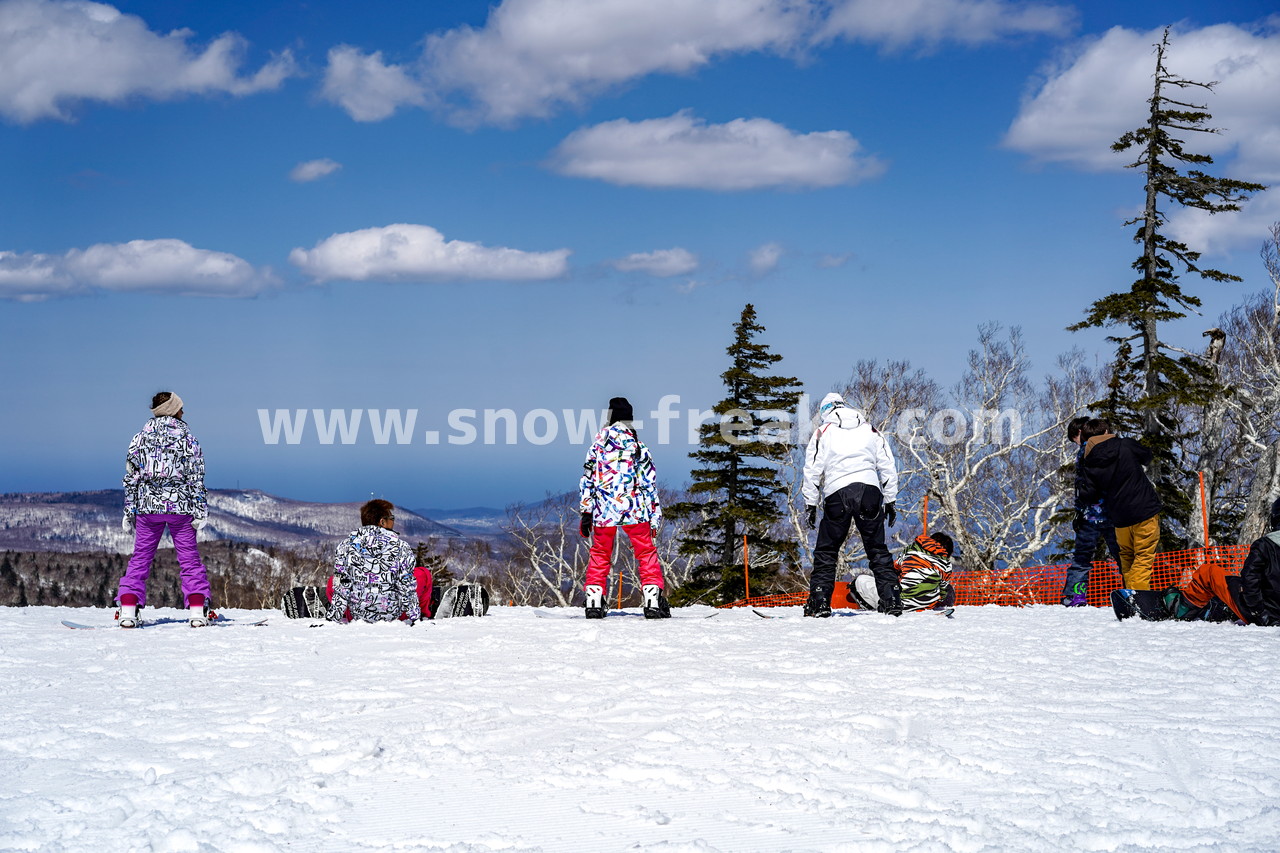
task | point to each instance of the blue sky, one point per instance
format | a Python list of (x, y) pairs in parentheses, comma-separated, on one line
[(545, 203)]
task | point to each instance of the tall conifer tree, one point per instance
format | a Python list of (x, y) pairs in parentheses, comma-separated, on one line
[(739, 454), (1152, 379)]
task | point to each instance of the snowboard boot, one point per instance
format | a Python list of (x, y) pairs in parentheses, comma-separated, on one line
[(891, 603), (127, 616), (819, 604), (864, 592), (1076, 599), (595, 602), (198, 615), (655, 603)]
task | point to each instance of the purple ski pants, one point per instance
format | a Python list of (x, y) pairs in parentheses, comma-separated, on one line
[(147, 532)]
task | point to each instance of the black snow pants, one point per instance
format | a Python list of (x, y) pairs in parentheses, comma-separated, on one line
[(860, 505)]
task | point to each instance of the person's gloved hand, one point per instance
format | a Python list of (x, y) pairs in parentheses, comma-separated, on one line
[(891, 513), (199, 523), (812, 517), (584, 526), (655, 524), (127, 522), (1077, 522)]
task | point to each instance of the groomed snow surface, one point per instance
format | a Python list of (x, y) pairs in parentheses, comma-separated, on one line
[(1001, 729)]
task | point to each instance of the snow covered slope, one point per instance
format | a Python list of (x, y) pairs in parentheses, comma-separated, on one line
[(1042, 729)]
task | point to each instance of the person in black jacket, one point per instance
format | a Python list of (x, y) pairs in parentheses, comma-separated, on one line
[(1260, 577), (1112, 470), (1215, 593)]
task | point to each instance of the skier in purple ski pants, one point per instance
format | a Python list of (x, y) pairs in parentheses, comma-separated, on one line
[(164, 487)]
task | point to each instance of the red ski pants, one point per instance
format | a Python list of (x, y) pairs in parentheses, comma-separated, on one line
[(641, 536), (1210, 582)]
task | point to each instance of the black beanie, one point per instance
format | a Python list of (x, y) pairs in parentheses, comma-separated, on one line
[(1275, 515), (619, 410)]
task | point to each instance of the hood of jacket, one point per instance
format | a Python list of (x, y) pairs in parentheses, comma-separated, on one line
[(929, 545), (372, 539), (835, 411), (1098, 445)]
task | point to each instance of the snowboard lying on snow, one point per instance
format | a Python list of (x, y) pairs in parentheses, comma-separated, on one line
[(949, 612), (155, 623), (570, 613)]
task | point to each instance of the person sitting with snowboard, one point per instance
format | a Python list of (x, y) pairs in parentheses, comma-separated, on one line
[(924, 572), (373, 571), (849, 465), (1216, 594), (164, 487), (1112, 471), (619, 488)]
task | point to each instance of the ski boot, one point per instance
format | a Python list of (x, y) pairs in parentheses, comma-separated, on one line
[(199, 615), (595, 602), (863, 590), (655, 603), (127, 616), (818, 604)]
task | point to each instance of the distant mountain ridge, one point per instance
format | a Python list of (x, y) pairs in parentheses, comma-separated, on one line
[(79, 521)]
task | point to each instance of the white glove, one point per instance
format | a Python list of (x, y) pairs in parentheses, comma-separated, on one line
[(199, 523), (127, 522), (655, 525)]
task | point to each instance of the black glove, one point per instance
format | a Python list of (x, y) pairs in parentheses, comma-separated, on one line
[(812, 516), (1077, 522), (891, 513), (584, 526)]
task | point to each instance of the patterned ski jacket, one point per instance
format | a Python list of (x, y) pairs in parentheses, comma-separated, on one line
[(373, 578), (925, 574), (164, 471), (619, 484)]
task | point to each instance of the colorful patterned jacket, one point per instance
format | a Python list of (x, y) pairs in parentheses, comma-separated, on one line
[(619, 483), (924, 571), (164, 471), (373, 578)]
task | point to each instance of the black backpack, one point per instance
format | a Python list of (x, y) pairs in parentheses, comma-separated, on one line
[(463, 599), (305, 602)]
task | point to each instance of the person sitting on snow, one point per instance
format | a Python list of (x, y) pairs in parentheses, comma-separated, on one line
[(373, 571), (1214, 594), (924, 574)]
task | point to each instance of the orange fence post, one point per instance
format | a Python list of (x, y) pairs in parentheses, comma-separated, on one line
[(746, 576), (924, 516), (1204, 510)]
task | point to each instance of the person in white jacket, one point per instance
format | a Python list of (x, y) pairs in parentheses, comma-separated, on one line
[(849, 466)]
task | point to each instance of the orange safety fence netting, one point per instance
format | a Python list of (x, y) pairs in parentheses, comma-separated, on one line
[(1019, 587)]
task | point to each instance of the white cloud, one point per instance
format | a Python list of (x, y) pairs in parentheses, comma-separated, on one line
[(366, 87), (533, 58), (764, 259), (833, 261), (902, 23), (1100, 91), (156, 266), (420, 253), (684, 151), (54, 53), (313, 170), (662, 263)]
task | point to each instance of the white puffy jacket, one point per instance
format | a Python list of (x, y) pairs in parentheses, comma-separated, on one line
[(846, 449)]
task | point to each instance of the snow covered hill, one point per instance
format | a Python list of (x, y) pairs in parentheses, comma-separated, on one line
[(1038, 729), (80, 521)]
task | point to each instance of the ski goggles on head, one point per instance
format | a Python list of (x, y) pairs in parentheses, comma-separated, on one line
[(830, 407)]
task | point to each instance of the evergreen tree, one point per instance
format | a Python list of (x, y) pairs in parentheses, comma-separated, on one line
[(1149, 383), (738, 480)]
